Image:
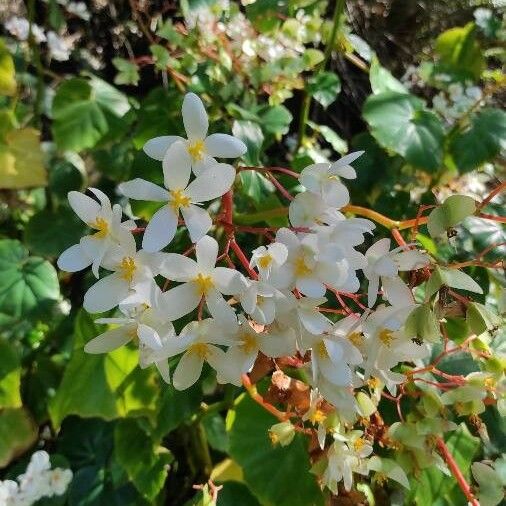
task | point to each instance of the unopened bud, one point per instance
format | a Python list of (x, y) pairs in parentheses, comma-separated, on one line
[(282, 433)]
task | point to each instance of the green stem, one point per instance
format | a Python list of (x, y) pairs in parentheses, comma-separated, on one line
[(306, 101), (34, 48), (250, 218)]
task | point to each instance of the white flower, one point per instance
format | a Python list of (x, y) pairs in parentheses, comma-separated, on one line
[(201, 149), (265, 259), (59, 48), (385, 264), (20, 28), (145, 318), (201, 279), (110, 231), (133, 270), (323, 179), (197, 342), (180, 196), (79, 9), (59, 480), (259, 300), (308, 269), (308, 209)]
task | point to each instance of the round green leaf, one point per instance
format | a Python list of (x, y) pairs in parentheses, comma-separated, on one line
[(400, 123), (17, 433), (324, 87), (28, 283)]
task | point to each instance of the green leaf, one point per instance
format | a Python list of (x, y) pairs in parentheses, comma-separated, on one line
[(481, 141), (216, 433), (108, 386), (18, 432), (450, 213), (29, 284), (41, 238), (160, 55), (10, 377), (491, 490), (481, 319), (275, 120), (460, 53), (7, 72), (251, 134), (400, 123), (128, 72), (423, 324), (382, 80), (276, 475), (452, 278), (324, 87), (84, 111), (144, 461), (337, 143), (21, 160), (167, 31)]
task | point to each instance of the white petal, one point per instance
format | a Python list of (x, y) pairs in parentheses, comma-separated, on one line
[(396, 292), (225, 146), (164, 370), (200, 166), (278, 344), (349, 158), (211, 184), (411, 260), (279, 252), (73, 259), (187, 371), (110, 340), (228, 281), (219, 308), (314, 322), (85, 207), (197, 221), (177, 166), (335, 194), (178, 267), (372, 290), (194, 117), (103, 199), (157, 147), (310, 286), (181, 300), (207, 252), (160, 230), (379, 248), (140, 189), (385, 266), (105, 294), (149, 337)]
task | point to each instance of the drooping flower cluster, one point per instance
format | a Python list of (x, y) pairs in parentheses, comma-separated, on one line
[(276, 306), (38, 481)]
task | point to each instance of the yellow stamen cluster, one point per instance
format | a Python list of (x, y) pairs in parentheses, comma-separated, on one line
[(265, 260), (196, 150), (386, 337), (199, 349), (357, 339), (358, 444), (321, 350), (249, 342), (318, 416), (127, 268), (300, 266), (178, 199), (204, 283), (373, 383), (102, 226)]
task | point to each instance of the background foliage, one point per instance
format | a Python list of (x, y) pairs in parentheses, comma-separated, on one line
[(417, 85)]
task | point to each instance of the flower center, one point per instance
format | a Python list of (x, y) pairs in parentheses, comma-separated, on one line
[(356, 339), (127, 268), (386, 337), (204, 283), (265, 261), (196, 150), (300, 266), (199, 349), (373, 382), (321, 350), (102, 226), (178, 199), (249, 343), (358, 444), (317, 417)]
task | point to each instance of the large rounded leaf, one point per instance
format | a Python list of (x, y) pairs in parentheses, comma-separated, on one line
[(28, 283), (400, 123)]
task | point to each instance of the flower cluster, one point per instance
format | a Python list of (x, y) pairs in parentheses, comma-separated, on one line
[(276, 307), (38, 481)]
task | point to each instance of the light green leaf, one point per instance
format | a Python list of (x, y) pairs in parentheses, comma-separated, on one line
[(21, 160), (452, 278), (422, 323), (365, 405), (7, 72), (251, 134), (161, 56), (167, 31), (337, 143), (128, 72), (145, 462), (276, 475), (382, 80), (29, 284), (450, 213), (460, 53), (311, 58), (17, 433), (275, 120), (400, 123), (481, 319), (481, 141), (10, 377), (324, 87), (491, 490)]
